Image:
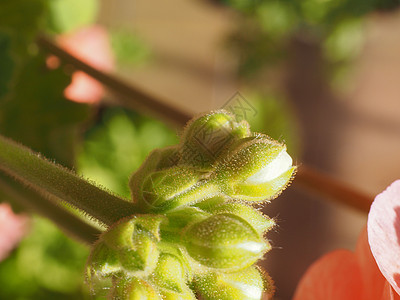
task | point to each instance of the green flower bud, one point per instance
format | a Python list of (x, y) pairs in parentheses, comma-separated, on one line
[(135, 242), (170, 273), (224, 241), (260, 222), (162, 186), (247, 284), (168, 295), (133, 289), (102, 261), (180, 218), (205, 138), (157, 160), (256, 169)]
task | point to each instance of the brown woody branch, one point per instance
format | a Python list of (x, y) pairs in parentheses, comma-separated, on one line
[(131, 97)]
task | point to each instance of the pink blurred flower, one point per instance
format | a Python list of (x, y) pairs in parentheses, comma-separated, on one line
[(91, 45), (372, 272), (12, 229)]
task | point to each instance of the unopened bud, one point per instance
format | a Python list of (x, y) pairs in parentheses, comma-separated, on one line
[(247, 284), (224, 241), (157, 160), (133, 289), (170, 273), (130, 245), (256, 169), (160, 187), (260, 222), (206, 137)]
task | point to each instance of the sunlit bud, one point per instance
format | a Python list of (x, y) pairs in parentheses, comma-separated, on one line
[(135, 242), (180, 218), (256, 169), (157, 160), (160, 187), (247, 284), (169, 295), (224, 241), (170, 273), (102, 261), (260, 222), (133, 289), (206, 137)]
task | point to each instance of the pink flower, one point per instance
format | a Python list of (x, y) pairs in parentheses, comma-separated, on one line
[(372, 272), (12, 229), (91, 45)]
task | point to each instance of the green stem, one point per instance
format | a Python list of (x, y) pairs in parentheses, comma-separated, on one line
[(32, 201), (59, 184)]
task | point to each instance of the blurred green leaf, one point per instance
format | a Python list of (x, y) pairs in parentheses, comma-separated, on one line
[(68, 15), (22, 19), (7, 64), (37, 114), (118, 145), (47, 265), (129, 48)]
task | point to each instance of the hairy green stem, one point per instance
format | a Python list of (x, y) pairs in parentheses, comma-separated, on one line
[(33, 201), (59, 184)]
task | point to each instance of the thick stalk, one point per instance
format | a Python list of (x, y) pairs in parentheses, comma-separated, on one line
[(33, 201), (59, 184)]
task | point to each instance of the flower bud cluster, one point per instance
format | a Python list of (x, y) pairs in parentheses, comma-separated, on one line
[(197, 233)]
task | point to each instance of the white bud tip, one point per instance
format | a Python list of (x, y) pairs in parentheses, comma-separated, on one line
[(272, 170)]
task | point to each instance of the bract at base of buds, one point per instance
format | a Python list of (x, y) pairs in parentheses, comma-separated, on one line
[(256, 169), (247, 284), (224, 241)]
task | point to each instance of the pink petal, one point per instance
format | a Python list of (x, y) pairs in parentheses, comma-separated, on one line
[(334, 276), (84, 89), (91, 45), (372, 277), (12, 229), (384, 233)]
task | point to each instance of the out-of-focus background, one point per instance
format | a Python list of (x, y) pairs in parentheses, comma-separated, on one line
[(321, 75)]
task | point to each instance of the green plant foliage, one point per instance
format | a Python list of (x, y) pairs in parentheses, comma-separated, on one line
[(128, 48), (272, 23), (7, 64), (47, 265), (38, 115), (20, 21), (118, 145), (68, 15)]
